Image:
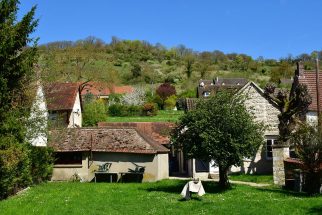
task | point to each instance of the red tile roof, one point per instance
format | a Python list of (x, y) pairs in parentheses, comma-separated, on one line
[(103, 89), (158, 132), (121, 140), (309, 78), (61, 96)]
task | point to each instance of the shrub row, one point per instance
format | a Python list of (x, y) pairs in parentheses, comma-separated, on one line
[(148, 109), (22, 165)]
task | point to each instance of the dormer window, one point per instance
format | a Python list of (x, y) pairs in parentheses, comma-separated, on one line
[(206, 94)]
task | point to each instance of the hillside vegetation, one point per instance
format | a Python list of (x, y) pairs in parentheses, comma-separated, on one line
[(141, 63)]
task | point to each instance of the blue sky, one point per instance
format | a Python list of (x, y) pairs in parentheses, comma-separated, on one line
[(269, 28)]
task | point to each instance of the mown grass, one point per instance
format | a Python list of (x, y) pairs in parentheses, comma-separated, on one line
[(267, 179), (156, 198), (162, 116)]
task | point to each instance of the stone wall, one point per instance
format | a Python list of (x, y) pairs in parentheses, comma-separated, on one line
[(263, 110), (279, 154)]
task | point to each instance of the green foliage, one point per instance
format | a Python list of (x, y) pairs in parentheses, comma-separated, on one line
[(284, 70), (42, 160), (149, 109), (115, 110), (18, 53), (124, 110), (181, 104), (94, 112), (15, 168), (164, 91), (170, 102), (136, 70), (291, 105), (220, 128), (190, 93), (307, 141)]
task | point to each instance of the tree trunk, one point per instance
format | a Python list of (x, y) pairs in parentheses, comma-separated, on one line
[(223, 177)]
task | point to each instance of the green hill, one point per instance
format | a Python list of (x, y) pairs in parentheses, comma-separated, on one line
[(141, 63)]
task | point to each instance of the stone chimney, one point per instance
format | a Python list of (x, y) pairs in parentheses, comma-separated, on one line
[(299, 72)]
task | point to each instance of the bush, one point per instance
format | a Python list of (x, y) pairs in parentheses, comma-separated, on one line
[(42, 160), (170, 102), (181, 104), (124, 110), (115, 110), (14, 166), (133, 110), (149, 109), (164, 91), (94, 112)]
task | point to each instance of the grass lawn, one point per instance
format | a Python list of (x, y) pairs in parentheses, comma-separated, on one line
[(162, 116), (264, 179), (156, 198)]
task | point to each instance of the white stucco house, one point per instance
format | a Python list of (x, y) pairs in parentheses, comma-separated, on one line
[(55, 105)]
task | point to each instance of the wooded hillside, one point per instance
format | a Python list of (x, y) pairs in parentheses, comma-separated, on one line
[(139, 62)]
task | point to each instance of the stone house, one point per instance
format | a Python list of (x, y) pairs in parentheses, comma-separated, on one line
[(264, 111), (80, 151)]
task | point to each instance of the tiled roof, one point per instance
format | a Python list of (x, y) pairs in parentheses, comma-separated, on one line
[(220, 84), (157, 132), (309, 78), (61, 96), (103, 89), (231, 82), (121, 140)]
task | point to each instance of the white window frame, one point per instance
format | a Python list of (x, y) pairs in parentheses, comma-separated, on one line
[(271, 146)]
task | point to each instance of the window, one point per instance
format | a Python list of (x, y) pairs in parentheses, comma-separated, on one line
[(68, 158), (206, 94), (269, 148), (201, 166)]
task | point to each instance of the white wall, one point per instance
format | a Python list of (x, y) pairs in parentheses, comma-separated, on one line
[(38, 120), (75, 119)]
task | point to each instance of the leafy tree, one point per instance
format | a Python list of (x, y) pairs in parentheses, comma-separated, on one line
[(189, 60), (219, 129), (94, 112), (308, 147), (137, 97), (18, 54), (291, 105), (136, 70), (164, 91)]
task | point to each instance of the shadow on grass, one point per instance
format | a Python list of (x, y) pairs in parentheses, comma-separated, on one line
[(315, 210), (284, 192), (192, 198), (209, 186)]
